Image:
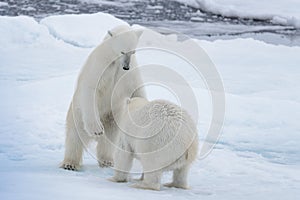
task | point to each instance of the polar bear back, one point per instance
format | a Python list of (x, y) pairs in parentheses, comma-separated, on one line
[(164, 134)]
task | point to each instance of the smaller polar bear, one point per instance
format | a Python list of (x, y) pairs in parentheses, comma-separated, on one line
[(162, 136)]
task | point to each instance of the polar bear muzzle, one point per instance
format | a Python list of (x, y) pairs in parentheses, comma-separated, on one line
[(126, 59)]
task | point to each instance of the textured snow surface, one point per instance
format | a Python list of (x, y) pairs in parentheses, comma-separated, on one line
[(257, 156)]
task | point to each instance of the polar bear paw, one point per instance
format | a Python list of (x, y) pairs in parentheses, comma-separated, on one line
[(118, 180), (145, 186), (70, 166), (105, 163), (94, 128), (97, 134), (176, 185)]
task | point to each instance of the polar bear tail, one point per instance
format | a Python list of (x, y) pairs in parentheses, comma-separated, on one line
[(192, 151)]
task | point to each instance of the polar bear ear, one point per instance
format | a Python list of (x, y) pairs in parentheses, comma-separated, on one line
[(128, 100), (109, 33), (139, 32)]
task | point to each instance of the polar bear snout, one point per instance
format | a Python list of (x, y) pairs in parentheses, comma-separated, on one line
[(126, 57)]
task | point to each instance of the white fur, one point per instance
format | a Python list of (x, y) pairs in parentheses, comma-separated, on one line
[(159, 134), (90, 116)]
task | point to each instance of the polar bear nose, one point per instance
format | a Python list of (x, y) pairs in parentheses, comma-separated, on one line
[(126, 61), (126, 68)]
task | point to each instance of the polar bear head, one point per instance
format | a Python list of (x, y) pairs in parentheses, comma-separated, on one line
[(123, 42)]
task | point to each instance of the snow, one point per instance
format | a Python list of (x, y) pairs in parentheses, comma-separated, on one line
[(257, 156), (94, 25), (285, 12), (260, 78)]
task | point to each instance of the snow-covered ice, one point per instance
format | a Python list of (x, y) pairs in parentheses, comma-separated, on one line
[(95, 25), (257, 156), (285, 12)]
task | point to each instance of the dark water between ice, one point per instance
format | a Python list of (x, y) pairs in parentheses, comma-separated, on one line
[(164, 14)]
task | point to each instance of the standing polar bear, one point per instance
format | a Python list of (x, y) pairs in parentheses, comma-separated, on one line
[(159, 134), (89, 116)]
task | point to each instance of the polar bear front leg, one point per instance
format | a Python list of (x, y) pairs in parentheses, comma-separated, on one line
[(90, 114), (92, 124), (123, 162)]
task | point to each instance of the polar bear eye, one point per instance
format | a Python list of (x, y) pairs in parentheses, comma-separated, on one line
[(130, 53)]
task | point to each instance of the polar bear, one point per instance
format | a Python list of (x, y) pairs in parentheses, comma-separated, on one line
[(89, 116), (162, 136)]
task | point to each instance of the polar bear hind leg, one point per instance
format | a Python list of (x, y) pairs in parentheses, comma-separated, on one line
[(151, 181), (73, 145), (105, 152), (179, 178)]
